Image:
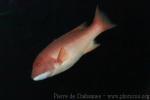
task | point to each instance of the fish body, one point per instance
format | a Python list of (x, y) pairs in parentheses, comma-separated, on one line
[(64, 52)]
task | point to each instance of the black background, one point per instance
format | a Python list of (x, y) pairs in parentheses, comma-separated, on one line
[(120, 65)]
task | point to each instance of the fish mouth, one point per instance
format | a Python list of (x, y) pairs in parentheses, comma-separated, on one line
[(42, 76)]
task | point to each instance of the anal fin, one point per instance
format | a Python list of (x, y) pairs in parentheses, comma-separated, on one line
[(92, 45)]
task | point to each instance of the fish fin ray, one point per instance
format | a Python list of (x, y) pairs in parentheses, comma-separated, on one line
[(93, 45), (62, 56)]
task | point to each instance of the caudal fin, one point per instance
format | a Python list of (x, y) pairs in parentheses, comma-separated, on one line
[(101, 20)]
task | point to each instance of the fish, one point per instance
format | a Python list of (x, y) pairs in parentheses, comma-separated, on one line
[(62, 53)]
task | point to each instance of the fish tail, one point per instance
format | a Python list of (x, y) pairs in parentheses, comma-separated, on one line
[(101, 20)]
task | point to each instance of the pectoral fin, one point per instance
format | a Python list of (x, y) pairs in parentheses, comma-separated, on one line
[(93, 45), (62, 56)]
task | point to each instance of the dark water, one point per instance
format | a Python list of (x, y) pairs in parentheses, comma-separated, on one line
[(120, 65)]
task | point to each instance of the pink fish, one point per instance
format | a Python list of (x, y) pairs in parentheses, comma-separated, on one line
[(65, 51)]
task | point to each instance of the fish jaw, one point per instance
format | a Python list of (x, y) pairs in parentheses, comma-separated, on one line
[(42, 76)]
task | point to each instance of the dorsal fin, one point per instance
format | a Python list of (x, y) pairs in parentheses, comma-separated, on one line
[(78, 28), (62, 56)]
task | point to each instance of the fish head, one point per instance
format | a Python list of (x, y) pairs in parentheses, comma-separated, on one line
[(46, 66), (43, 67)]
